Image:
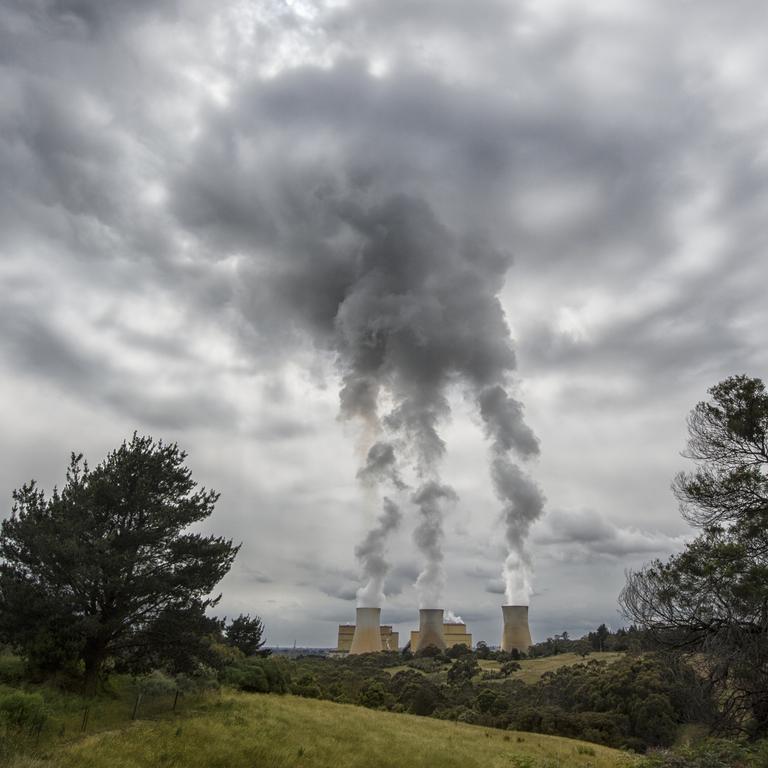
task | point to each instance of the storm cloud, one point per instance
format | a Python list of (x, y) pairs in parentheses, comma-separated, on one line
[(204, 206)]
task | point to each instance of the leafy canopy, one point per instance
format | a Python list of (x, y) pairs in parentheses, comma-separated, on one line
[(712, 598), (107, 568)]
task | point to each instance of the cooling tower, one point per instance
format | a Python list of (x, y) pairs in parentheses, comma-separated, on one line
[(367, 637), (430, 628), (516, 634)]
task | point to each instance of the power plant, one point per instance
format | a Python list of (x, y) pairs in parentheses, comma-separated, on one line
[(368, 635), (515, 635)]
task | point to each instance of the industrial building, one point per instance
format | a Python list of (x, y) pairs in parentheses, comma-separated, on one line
[(367, 635)]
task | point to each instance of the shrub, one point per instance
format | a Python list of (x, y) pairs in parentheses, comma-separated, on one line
[(373, 695), (457, 651), (463, 670), (307, 687), (256, 675), (654, 720), (22, 710)]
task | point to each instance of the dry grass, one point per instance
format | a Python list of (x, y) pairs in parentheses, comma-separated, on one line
[(243, 731)]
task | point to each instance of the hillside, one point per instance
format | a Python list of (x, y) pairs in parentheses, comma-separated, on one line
[(531, 670), (242, 730)]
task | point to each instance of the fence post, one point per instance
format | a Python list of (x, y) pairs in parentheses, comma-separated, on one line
[(136, 705), (175, 699), (84, 724)]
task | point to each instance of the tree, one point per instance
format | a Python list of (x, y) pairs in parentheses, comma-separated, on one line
[(245, 633), (509, 667), (482, 651), (712, 598), (458, 650), (599, 637), (463, 670), (106, 568)]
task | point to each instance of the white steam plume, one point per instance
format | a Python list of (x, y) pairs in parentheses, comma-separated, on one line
[(522, 499), (371, 553)]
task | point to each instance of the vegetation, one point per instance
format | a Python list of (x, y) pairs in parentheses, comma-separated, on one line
[(246, 634), (634, 702), (241, 730), (710, 602), (104, 570)]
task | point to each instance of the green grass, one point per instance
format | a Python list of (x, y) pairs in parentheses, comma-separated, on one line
[(246, 731), (532, 669), (66, 714)]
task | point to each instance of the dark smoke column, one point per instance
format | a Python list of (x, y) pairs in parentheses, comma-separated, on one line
[(410, 309)]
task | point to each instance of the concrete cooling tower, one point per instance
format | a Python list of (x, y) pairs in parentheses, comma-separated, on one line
[(430, 628), (516, 634), (367, 637)]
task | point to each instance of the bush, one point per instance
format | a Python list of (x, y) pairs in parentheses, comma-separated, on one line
[(11, 668), (22, 710), (654, 720), (307, 687), (156, 684), (711, 753), (457, 651), (373, 695), (256, 675), (463, 670)]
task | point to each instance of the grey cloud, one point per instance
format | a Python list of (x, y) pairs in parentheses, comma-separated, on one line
[(400, 577), (615, 151), (252, 574), (339, 591), (587, 531), (36, 347)]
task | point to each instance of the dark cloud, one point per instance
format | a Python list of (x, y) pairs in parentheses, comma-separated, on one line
[(203, 205)]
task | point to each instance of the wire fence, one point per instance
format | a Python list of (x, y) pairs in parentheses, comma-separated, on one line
[(69, 719)]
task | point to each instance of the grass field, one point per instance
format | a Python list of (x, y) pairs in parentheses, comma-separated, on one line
[(532, 669), (266, 731)]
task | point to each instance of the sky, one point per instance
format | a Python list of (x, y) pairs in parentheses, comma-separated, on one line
[(565, 198)]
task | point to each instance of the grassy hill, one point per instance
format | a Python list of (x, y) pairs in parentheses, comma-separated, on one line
[(244, 731), (532, 669)]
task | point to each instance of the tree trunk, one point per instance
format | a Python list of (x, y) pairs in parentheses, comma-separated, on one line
[(93, 657)]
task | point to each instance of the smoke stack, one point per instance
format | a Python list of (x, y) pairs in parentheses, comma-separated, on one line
[(367, 637), (516, 634), (431, 628)]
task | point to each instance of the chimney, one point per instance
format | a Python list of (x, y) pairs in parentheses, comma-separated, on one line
[(431, 628), (367, 637), (516, 634)]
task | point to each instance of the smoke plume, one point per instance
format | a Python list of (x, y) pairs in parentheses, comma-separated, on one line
[(429, 539), (409, 308), (380, 465), (421, 312), (371, 553), (522, 499)]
